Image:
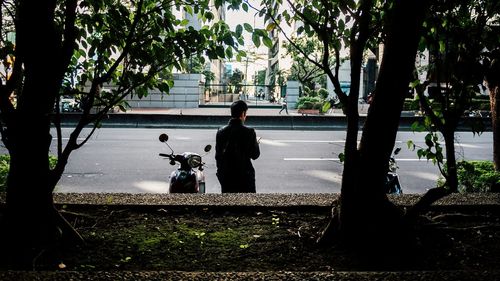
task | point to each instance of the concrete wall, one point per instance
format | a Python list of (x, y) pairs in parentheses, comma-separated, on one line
[(345, 77), (186, 93), (292, 93)]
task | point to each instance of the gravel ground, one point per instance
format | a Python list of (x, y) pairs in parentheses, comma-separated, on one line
[(258, 200)]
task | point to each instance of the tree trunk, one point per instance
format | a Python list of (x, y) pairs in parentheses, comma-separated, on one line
[(451, 162), (492, 78), (366, 215), (33, 223), (495, 114), (30, 209)]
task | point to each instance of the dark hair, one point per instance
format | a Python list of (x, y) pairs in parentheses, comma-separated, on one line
[(237, 108)]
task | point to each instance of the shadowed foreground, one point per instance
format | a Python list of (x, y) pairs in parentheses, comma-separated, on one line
[(203, 242)]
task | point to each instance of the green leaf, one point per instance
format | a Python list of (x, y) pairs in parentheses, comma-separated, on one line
[(341, 25), (342, 157), (442, 46), (228, 39), (239, 30), (229, 53), (410, 145), (248, 27), (267, 42), (256, 40), (245, 7), (220, 51), (420, 153), (270, 27)]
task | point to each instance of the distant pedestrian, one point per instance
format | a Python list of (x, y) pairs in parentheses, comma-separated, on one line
[(284, 106), (235, 146)]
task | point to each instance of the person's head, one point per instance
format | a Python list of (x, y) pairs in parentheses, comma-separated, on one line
[(239, 109)]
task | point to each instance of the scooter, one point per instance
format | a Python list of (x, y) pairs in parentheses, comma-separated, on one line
[(392, 185), (185, 179)]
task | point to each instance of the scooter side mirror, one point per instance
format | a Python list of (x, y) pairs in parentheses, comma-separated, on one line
[(163, 137), (208, 147)]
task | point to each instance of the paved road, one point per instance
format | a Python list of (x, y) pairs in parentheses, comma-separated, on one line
[(126, 160)]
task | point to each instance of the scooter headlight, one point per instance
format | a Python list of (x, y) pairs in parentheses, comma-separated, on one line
[(194, 161)]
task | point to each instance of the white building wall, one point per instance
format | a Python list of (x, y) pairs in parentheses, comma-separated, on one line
[(185, 94), (292, 93), (344, 77)]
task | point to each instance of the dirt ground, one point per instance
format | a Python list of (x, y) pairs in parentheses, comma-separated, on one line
[(260, 239)]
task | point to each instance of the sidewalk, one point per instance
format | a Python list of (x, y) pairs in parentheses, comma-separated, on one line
[(225, 111)]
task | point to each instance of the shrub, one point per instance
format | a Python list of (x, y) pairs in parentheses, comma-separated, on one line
[(411, 105), (4, 170), (476, 176), (480, 104), (318, 105), (323, 93), (307, 102)]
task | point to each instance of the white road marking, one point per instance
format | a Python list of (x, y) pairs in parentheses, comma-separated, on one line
[(311, 159), (312, 141), (309, 141), (337, 159), (55, 138)]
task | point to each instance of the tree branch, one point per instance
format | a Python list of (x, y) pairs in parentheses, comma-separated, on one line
[(69, 35), (128, 44), (427, 108)]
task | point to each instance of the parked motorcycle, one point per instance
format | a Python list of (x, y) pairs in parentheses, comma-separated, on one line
[(185, 179), (392, 184)]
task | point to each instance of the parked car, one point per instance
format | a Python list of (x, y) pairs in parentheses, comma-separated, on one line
[(69, 105)]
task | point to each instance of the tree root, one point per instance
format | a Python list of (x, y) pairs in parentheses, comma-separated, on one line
[(433, 195), (68, 231)]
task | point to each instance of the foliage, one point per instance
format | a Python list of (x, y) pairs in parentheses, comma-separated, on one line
[(302, 70), (309, 102), (432, 150), (476, 176), (98, 52), (455, 69), (313, 99), (411, 105), (323, 93), (236, 80), (261, 77), (195, 65), (128, 48), (4, 170)]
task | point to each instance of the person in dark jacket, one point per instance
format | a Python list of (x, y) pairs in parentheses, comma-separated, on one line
[(235, 146)]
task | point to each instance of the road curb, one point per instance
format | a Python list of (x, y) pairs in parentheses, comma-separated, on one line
[(321, 122)]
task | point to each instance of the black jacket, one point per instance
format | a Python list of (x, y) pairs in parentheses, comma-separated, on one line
[(235, 145)]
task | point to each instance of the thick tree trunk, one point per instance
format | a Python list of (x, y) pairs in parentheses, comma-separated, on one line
[(30, 210), (366, 216), (33, 223)]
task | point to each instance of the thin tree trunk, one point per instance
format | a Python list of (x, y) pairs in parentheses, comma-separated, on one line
[(451, 162), (495, 114)]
